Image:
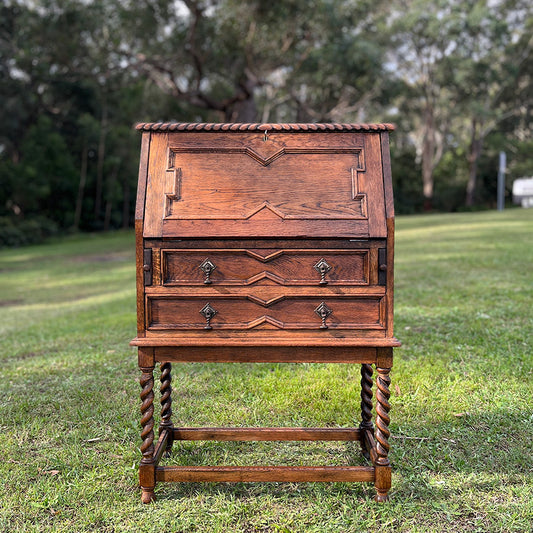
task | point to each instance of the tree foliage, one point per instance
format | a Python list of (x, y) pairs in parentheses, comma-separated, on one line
[(76, 74)]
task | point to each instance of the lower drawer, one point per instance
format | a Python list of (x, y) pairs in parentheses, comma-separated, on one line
[(244, 312)]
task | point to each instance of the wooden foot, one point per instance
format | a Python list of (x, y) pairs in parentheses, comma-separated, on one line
[(382, 483), (381, 497), (147, 496)]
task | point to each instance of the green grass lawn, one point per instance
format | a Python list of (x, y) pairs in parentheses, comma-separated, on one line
[(462, 397)]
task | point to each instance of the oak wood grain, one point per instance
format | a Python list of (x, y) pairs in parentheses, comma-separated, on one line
[(265, 354), (237, 474), (246, 340), (267, 434)]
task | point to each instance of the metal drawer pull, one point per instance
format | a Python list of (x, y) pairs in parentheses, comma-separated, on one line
[(323, 311), (208, 312), (207, 267), (322, 268)]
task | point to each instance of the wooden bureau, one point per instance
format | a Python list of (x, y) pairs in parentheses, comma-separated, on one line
[(265, 243)]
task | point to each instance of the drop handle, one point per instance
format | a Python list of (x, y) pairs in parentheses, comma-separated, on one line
[(207, 267), (208, 313), (323, 311), (322, 268)]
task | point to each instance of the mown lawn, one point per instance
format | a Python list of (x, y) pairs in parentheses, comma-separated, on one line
[(462, 397)]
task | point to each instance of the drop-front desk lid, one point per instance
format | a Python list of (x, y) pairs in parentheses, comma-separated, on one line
[(265, 180)]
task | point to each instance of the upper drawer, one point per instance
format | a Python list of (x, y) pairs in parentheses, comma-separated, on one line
[(246, 183), (265, 266)]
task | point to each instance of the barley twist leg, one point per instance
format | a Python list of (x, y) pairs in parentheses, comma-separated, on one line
[(366, 405), (166, 405), (147, 468), (382, 434)]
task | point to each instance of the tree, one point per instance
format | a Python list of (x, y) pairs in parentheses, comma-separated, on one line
[(62, 65), (421, 37), (76, 74), (338, 74), (459, 60), (494, 49), (271, 61)]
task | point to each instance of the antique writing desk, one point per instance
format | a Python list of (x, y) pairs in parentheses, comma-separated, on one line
[(265, 243)]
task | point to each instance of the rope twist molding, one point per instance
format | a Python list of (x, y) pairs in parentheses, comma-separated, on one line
[(236, 126)]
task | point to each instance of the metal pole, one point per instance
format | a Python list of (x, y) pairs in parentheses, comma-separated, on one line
[(501, 181)]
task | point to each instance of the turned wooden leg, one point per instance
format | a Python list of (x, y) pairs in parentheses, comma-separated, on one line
[(366, 405), (166, 405), (382, 434), (147, 466)]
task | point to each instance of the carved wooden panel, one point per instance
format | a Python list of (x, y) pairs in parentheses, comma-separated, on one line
[(277, 187), (282, 185)]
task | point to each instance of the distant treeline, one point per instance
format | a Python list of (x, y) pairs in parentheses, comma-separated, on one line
[(75, 75)]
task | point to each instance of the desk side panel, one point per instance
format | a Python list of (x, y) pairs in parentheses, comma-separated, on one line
[(139, 222)]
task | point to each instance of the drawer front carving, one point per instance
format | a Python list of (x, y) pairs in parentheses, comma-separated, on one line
[(266, 266), (240, 312), (264, 188)]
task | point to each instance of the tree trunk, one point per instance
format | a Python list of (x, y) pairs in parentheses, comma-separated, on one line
[(427, 177), (81, 186), (428, 155), (100, 161), (242, 111), (109, 200), (476, 145), (125, 203)]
